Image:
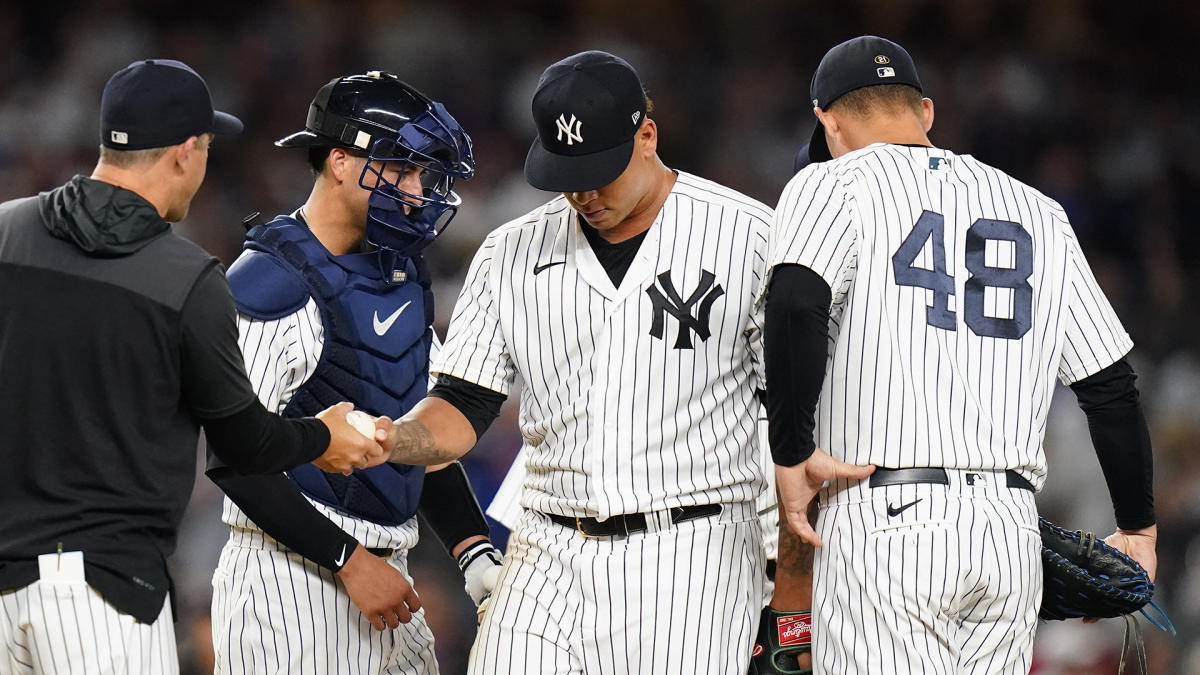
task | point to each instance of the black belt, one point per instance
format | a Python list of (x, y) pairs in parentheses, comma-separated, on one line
[(381, 552), (626, 524), (938, 476)]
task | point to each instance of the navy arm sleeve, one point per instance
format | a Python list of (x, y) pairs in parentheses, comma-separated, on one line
[(253, 440), (795, 348), (449, 506), (1119, 433), (276, 505), (216, 389)]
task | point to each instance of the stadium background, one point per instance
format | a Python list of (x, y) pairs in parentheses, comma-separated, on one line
[(1095, 103)]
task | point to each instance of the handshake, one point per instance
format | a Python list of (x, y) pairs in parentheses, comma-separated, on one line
[(356, 439)]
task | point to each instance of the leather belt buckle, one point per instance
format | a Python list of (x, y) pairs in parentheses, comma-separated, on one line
[(579, 528)]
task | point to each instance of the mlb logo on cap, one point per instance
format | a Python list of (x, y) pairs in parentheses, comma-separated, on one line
[(854, 64), (154, 103)]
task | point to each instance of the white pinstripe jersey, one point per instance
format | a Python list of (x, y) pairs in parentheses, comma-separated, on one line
[(637, 398), (281, 355), (958, 292)]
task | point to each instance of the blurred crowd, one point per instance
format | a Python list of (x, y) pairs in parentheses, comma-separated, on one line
[(1094, 103)]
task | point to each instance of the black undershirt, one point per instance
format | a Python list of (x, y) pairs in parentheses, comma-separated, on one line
[(614, 258), (795, 344)]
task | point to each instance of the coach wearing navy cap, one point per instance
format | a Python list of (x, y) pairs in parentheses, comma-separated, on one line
[(117, 343)]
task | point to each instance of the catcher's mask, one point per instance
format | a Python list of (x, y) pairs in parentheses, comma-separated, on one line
[(392, 122)]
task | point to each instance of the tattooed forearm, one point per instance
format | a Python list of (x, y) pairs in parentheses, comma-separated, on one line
[(795, 554), (412, 443), (794, 570)]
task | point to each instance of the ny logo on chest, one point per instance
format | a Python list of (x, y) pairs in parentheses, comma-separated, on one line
[(667, 300)]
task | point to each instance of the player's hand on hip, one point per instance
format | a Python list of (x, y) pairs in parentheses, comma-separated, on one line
[(380, 591), (1139, 545), (349, 448), (799, 484)]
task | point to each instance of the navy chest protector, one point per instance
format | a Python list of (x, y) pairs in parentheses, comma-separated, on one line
[(376, 314)]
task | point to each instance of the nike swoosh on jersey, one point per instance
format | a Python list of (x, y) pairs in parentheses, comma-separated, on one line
[(342, 558), (382, 327), (897, 510), (538, 269)]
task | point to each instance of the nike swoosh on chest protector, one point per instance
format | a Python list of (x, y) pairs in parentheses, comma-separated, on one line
[(382, 327)]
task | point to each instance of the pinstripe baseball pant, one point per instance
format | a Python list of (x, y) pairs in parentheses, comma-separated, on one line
[(681, 598), (66, 627), (274, 612), (927, 578)]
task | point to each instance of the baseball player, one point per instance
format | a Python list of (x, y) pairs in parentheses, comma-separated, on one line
[(625, 305), (117, 343), (919, 304), (334, 301)]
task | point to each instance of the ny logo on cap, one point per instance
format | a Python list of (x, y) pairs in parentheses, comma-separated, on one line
[(572, 129)]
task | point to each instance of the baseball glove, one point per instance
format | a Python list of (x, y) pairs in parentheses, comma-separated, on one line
[(782, 638), (1085, 578)]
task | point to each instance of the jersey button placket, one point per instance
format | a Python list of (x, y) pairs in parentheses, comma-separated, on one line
[(600, 425)]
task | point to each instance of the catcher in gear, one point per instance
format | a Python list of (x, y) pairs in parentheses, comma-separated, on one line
[(335, 302)]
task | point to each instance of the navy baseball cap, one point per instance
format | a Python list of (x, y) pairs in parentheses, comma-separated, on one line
[(864, 61), (587, 109), (158, 102)]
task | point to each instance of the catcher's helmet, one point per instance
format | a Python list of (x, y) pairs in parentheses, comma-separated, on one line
[(378, 114)]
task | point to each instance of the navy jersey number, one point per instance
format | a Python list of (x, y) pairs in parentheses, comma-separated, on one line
[(939, 315)]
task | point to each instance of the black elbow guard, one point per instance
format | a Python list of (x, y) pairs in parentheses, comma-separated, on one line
[(449, 506)]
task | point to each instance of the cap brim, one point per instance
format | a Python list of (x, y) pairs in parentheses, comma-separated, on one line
[(225, 124), (566, 173), (818, 149), (301, 139)]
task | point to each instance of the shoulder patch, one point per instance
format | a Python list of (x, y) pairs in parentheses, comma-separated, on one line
[(264, 288)]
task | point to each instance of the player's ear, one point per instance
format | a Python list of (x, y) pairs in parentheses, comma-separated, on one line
[(828, 121), (647, 136), (927, 114), (336, 164), (183, 154)]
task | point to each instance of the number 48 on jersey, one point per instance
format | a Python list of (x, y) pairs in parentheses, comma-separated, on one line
[(932, 226)]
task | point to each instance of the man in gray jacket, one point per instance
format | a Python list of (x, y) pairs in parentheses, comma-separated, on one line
[(117, 343)]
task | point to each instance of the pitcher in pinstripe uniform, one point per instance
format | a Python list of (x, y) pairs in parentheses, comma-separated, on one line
[(920, 304), (334, 302), (626, 307)]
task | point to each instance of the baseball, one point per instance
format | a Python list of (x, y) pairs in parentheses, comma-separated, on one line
[(363, 422)]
